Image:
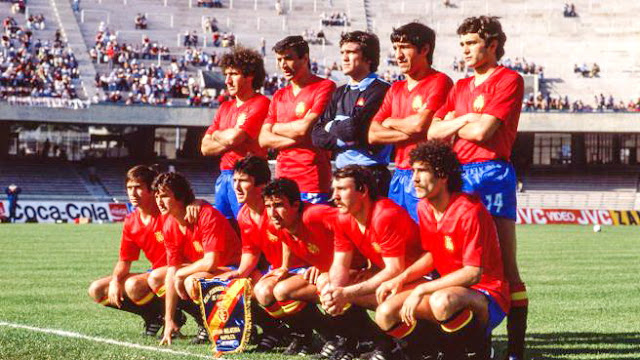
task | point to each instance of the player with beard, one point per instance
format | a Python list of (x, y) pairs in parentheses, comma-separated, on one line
[(458, 234)]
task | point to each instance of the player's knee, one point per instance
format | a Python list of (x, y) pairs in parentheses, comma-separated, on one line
[(96, 290), (135, 287), (441, 303), (155, 279), (281, 291), (263, 293), (386, 315)]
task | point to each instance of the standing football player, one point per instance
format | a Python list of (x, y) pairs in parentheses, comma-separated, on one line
[(481, 114)]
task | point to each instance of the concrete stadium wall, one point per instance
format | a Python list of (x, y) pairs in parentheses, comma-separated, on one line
[(198, 117)]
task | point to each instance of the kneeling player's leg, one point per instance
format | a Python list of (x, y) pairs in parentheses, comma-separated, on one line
[(99, 290), (463, 315), (147, 303), (517, 319), (155, 280), (268, 314), (422, 337)]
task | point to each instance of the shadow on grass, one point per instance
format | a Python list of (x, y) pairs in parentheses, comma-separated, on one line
[(579, 345)]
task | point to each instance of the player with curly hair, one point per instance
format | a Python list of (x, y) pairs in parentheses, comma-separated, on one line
[(236, 125), (456, 312)]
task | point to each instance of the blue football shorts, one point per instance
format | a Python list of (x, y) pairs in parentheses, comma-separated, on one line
[(402, 192), (225, 197), (495, 183)]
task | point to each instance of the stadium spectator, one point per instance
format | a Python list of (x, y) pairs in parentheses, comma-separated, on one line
[(279, 8), (12, 191), (35, 22), (570, 10), (140, 21), (209, 24), (209, 3), (334, 19)]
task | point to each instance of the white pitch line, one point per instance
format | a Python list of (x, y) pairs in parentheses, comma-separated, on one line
[(102, 340)]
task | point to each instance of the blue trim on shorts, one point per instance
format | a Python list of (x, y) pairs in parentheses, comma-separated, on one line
[(496, 314), (294, 271), (314, 198), (225, 197), (402, 192), (494, 182)]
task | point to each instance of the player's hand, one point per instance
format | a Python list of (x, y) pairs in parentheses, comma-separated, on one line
[(450, 116), (170, 328), (193, 210), (279, 273), (180, 289), (116, 293), (387, 289), (311, 275), (228, 275), (408, 311), (335, 301)]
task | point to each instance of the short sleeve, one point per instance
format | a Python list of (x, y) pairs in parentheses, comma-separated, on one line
[(439, 91), (322, 96), (272, 113), (474, 238), (255, 117), (385, 109), (449, 104), (507, 98), (129, 249)]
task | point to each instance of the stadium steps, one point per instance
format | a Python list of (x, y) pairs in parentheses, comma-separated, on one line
[(596, 200), (44, 178)]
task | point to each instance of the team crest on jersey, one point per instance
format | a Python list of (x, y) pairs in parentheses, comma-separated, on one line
[(272, 237), (159, 236), (198, 246), (313, 248), (416, 104), (360, 102), (376, 247), (448, 243), (478, 103), (242, 118), (301, 108)]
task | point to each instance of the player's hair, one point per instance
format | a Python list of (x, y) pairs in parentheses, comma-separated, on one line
[(416, 34), (177, 183), (369, 45), (295, 42), (142, 173), (488, 28), (439, 156), (362, 177), (248, 62), (283, 187), (254, 166)]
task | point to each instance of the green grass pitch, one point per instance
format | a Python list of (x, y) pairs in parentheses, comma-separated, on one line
[(584, 290)]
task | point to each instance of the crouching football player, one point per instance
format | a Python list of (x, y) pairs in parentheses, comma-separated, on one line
[(142, 230), (460, 241), (202, 250)]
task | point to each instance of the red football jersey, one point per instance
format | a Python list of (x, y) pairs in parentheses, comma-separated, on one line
[(212, 233), (501, 96), (465, 236), (400, 102), (390, 232), (137, 236), (258, 238), (314, 240), (306, 164), (249, 117)]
